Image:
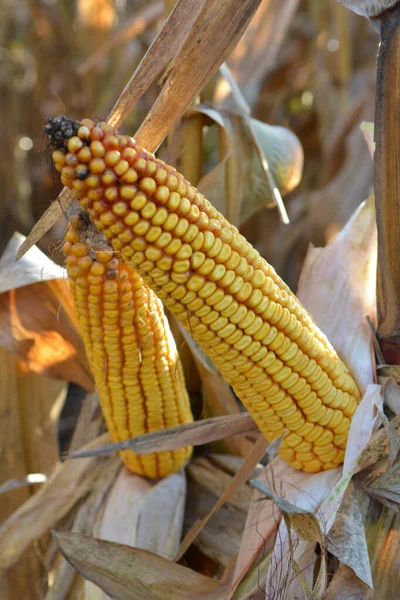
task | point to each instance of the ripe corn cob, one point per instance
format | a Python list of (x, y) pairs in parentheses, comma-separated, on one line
[(130, 348), (227, 296)]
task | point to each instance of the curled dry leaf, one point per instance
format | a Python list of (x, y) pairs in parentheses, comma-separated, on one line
[(69, 483), (391, 394), (241, 139), (125, 572), (195, 434)]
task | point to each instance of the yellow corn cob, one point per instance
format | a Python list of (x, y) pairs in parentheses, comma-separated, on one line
[(227, 296), (130, 348)]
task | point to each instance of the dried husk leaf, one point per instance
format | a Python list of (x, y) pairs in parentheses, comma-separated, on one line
[(124, 572), (142, 514), (64, 575), (391, 393), (69, 483), (38, 326), (346, 539)]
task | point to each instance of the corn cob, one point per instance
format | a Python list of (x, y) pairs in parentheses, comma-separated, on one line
[(227, 296), (130, 348)]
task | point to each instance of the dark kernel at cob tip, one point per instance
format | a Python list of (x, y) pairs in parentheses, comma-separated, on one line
[(59, 130)]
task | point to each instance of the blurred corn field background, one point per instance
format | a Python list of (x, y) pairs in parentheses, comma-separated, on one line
[(302, 66)]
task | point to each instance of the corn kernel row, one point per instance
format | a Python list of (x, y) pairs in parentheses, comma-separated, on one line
[(130, 348)]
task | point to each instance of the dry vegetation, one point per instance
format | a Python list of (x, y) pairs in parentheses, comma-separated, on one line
[(237, 522)]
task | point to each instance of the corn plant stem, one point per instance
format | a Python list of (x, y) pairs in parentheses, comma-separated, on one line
[(387, 184)]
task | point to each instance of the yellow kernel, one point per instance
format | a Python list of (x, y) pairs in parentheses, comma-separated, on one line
[(138, 202), (97, 165), (74, 144), (112, 157), (120, 209), (148, 185), (121, 167)]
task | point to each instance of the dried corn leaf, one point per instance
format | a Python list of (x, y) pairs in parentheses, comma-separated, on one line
[(142, 514), (242, 475), (69, 483), (345, 585), (35, 267), (346, 539), (38, 326), (241, 140), (63, 577), (125, 572), (197, 433), (391, 393), (37, 319)]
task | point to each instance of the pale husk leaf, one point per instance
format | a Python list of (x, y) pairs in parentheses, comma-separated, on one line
[(142, 514)]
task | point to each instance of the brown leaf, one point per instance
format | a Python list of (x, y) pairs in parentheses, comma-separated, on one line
[(38, 325), (200, 55), (124, 572), (345, 585), (194, 434)]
